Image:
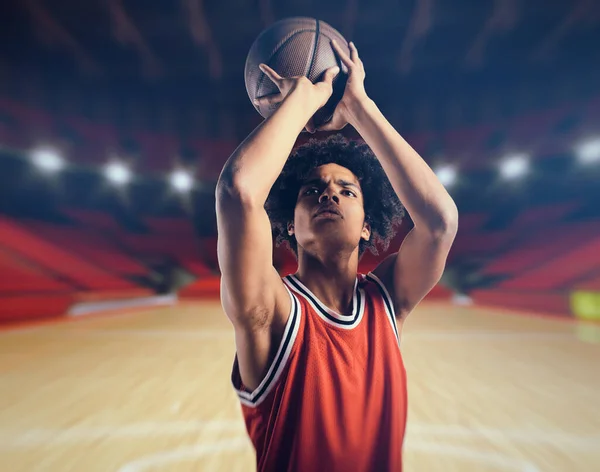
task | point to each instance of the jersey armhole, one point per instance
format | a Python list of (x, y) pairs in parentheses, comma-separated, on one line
[(387, 302), (257, 396)]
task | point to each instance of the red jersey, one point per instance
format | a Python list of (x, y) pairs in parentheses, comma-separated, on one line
[(334, 397)]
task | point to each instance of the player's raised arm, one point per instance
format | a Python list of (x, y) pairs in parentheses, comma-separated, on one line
[(252, 293), (417, 267)]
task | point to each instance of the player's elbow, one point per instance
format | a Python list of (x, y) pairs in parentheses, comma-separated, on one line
[(449, 224), (445, 224), (233, 189)]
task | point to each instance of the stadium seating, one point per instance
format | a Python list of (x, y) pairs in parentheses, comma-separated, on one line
[(42, 278), (536, 247), (20, 275), (207, 287), (78, 272), (22, 307), (90, 245), (532, 262), (561, 271)]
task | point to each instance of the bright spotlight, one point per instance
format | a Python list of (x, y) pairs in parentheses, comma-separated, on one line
[(117, 173), (588, 152), (181, 180), (446, 174), (514, 166), (47, 160)]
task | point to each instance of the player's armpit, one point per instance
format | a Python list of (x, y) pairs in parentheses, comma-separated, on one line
[(252, 292)]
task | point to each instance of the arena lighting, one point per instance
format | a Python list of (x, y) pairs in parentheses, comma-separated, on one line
[(588, 152), (47, 160), (447, 174), (181, 180), (514, 166), (117, 172)]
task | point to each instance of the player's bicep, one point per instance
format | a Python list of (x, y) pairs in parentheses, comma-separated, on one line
[(419, 265), (416, 268), (252, 291)]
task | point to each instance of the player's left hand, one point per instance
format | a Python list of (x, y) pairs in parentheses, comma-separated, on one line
[(353, 93)]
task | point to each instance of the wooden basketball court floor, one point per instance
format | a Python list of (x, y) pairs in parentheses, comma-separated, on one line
[(149, 391)]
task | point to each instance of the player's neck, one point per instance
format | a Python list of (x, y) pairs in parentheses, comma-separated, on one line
[(332, 281)]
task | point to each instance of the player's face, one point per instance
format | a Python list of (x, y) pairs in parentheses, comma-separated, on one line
[(330, 210)]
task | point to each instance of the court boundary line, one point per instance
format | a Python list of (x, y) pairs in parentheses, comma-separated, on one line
[(420, 438), (14, 439), (184, 454)]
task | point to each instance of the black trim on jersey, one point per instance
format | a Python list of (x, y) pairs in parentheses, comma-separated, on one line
[(388, 302), (316, 303), (255, 398)]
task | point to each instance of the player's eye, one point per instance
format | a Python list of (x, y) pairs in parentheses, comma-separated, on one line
[(348, 192), (311, 191)]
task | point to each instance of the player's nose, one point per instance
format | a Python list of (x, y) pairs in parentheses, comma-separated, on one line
[(329, 194)]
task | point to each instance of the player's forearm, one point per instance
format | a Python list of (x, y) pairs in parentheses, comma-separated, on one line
[(417, 186), (252, 169)]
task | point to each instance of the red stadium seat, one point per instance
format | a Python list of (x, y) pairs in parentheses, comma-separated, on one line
[(77, 271)]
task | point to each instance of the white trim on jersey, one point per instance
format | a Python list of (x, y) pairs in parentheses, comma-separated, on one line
[(387, 302), (254, 398), (327, 314)]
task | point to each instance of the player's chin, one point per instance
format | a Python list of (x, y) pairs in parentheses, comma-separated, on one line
[(327, 226), (333, 233)]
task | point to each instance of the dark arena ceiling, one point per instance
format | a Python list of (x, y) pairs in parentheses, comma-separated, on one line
[(433, 66), (429, 58)]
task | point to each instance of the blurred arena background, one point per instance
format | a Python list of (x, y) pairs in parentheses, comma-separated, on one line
[(116, 117)]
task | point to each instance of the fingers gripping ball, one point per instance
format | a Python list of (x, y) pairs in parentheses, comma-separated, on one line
[(295, 47)]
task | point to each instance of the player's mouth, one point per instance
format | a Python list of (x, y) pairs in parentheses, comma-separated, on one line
[(328, 210)]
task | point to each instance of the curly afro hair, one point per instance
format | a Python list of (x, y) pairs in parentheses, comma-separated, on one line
[(383, 210)]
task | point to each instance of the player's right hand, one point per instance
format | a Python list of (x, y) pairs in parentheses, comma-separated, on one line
[(316, 94)]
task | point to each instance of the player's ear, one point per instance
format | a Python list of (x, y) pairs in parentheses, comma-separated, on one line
[(366, 231), (290, 228)]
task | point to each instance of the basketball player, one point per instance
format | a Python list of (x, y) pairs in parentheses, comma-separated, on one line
[(318, 369)]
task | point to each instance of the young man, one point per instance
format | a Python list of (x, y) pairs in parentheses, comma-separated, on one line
[(318, 369)]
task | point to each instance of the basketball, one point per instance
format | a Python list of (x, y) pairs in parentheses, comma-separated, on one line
[(297, 46)]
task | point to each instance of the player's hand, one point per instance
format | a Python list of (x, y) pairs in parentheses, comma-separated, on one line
[(353, 93), (316, 95)]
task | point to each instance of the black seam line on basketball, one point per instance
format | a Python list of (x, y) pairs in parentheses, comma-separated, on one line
[(387, 304), (278, 361), (262, 74), (333, 319), (315, 46)]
